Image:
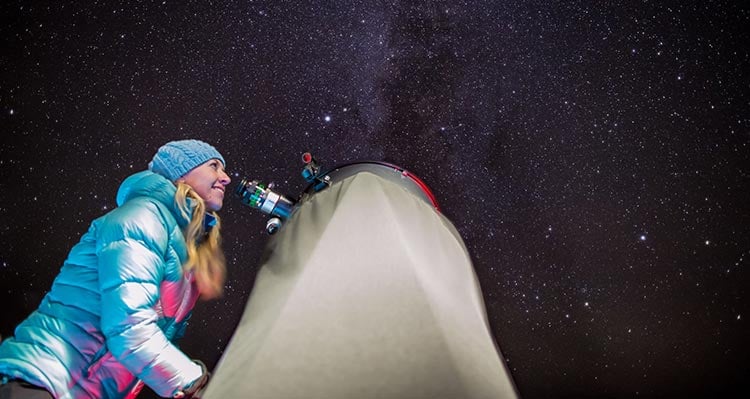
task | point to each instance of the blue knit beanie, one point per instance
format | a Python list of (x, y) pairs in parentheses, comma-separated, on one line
[(176, 158)]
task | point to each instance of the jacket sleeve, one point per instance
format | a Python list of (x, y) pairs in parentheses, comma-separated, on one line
[(132, 244)]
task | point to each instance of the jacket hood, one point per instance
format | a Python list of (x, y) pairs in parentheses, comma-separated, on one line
[(157, 187), (151, 185)]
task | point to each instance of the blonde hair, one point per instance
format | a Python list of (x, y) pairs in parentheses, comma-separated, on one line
[(205, 257)]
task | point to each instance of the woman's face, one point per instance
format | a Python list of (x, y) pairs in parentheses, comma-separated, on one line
[(209, 181)]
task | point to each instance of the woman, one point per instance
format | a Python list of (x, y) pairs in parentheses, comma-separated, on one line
[(127, 289)]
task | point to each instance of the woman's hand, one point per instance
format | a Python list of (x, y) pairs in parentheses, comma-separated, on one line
[(195, 389)]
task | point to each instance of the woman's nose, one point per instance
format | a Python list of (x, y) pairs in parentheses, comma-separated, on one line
[(224, 178)]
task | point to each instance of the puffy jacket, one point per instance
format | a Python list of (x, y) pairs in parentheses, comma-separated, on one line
[(118, 304)]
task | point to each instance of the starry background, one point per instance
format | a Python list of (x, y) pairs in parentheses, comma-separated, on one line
[(594, 157)]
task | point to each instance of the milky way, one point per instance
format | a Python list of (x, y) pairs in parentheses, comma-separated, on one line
[(593, 157)]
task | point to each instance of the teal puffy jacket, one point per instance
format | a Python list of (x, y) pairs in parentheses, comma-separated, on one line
[(116, 307)]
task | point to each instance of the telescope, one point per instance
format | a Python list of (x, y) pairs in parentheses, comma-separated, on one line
[(365, 290)]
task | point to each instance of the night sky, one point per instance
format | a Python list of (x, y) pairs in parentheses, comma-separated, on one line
[(594, 156)]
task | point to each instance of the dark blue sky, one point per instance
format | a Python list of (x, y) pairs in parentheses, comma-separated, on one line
[(593, 156)]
